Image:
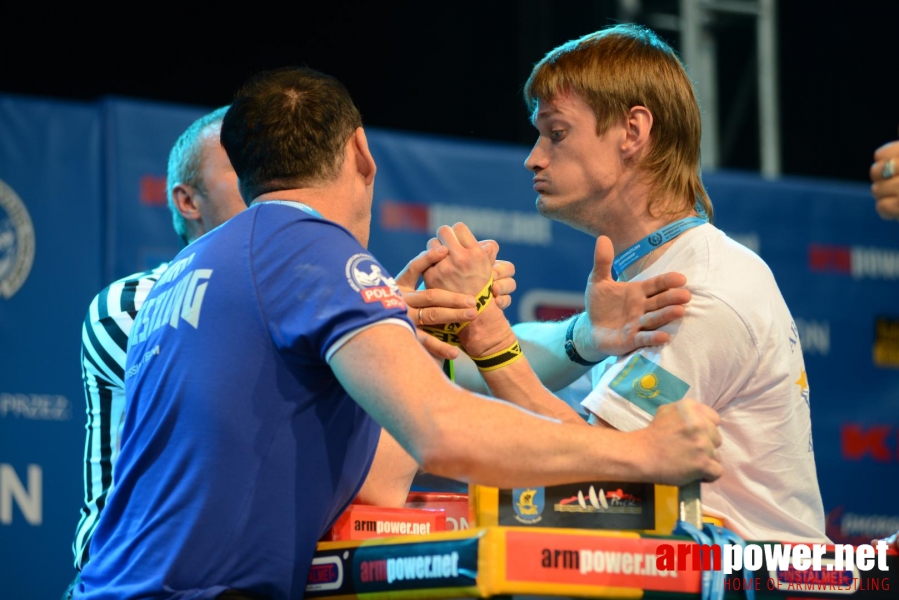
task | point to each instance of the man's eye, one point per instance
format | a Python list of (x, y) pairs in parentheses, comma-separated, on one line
[(557, 134)]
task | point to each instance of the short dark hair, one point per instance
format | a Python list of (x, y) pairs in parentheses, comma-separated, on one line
[(288, 128)]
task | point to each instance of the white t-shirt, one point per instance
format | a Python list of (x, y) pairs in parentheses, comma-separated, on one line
[(736, 350)]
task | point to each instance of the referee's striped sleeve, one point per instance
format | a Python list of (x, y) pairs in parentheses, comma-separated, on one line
[(104, 342)]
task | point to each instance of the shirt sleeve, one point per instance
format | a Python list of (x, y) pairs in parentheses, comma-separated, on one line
[(104, 339), (709, 358), (318, 287)]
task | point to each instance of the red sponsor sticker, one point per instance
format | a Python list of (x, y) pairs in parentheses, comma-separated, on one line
[(588, 560)]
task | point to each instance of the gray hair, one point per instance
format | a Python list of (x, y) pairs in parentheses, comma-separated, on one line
[(185, 163)]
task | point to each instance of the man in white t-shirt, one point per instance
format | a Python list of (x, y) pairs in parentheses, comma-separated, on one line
[(618, 158), (736, 350)]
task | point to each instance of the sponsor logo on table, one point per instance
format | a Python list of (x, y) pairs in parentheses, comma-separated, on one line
[(528, 504), (613, 501), (571, 559), (414, 566), (830, 580), (392, 527), (326, 573), (410, 568)]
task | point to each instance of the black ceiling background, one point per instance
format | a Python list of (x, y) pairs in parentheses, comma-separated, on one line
[(457, 68)]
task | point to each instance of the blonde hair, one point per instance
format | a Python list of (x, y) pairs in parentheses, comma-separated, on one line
[(624, 66)]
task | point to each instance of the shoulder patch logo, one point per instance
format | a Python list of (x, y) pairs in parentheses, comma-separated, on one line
[(647, 385), (16, 242), (365, 276)]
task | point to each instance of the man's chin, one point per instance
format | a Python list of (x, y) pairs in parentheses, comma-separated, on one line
[(544, 207)]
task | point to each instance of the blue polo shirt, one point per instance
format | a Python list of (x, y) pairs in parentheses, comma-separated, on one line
[(240, 447)]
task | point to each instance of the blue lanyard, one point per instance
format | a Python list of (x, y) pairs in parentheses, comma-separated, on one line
[(299, 205), (656, 239)]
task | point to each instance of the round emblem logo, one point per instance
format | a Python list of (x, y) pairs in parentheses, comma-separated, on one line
[(363, 272), (16, 242)]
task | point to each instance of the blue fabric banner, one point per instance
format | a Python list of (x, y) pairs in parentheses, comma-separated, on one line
[(50, 249), (139, 136), (82, 202)]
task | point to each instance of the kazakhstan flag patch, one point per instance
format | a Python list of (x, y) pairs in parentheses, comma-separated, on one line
[(647, 384)]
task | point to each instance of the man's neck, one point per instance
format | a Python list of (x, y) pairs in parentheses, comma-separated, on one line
[(333, 201), (634, 225)]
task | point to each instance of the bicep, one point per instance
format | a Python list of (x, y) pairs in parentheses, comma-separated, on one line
[(707, 359), (387, 372)]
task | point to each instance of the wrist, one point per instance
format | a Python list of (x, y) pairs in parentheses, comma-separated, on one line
[(579, 342), (487, 334)]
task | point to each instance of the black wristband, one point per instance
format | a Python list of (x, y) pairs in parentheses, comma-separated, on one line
[(570, 350)]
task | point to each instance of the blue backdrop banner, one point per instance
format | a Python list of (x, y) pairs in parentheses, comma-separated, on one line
[(50, 249), (82, 202)]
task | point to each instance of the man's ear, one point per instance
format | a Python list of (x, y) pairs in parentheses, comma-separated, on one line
[(365, 162), (185, 202), (637, 125)]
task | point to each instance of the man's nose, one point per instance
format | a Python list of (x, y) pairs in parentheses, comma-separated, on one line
[(536, 160)]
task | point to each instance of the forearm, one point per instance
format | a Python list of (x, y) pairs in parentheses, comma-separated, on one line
[(468, 376), (462, 436), (544, 345), (491, 337), (530, 450)]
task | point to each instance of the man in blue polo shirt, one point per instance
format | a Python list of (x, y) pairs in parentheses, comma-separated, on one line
[(268, 357)]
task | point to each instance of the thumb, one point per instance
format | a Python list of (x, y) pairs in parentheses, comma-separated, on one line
[(410, 274), (603, 255)]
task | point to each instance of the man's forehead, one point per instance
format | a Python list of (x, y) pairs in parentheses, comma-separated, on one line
[(558, 105)]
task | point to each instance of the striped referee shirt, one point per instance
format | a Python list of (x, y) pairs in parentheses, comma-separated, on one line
[(104, 340)]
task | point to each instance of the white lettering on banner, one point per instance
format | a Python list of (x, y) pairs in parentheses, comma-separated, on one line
[(874, 263), (500, 225), (815, 336), (872, 526), (29, 501), (38, 407)]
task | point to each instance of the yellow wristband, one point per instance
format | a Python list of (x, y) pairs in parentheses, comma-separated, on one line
[(448, 337), (449, 332), (499, 360)]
